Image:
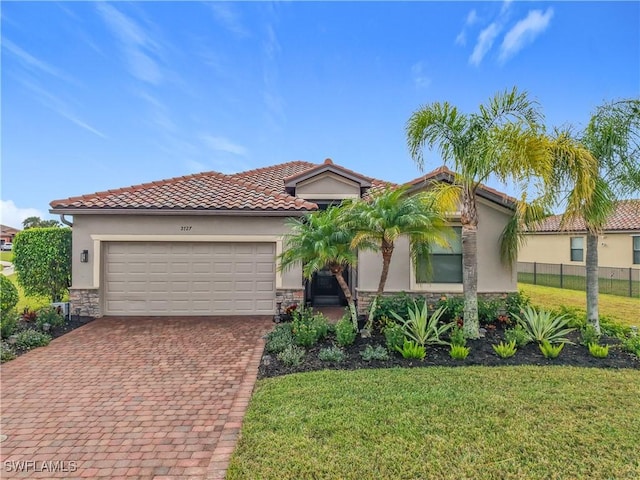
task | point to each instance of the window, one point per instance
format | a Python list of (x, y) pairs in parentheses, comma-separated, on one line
[(577, 249), (636, 250), (446, 262)]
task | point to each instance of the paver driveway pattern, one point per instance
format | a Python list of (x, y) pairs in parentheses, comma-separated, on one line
[(149, 398)]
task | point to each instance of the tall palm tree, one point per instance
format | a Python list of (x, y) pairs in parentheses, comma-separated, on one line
[(321, 240), (391, 213), (502, 140), (613, 138)]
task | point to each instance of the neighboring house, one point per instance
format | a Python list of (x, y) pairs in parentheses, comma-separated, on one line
[(7, 234), (206, 244), (618, 244)]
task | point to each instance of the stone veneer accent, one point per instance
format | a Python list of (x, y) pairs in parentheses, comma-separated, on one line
[(365, 298), (85, 302), (290, 296)]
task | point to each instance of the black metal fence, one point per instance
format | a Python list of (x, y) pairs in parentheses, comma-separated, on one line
[(614, 281)]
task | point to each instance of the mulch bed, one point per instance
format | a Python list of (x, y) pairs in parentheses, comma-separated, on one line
[(481, 353), (75, 321)]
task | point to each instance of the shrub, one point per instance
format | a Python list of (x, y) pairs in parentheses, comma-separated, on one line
[(394, 336), (549, 350), (505, 350), (516, 303), (632, 344), (459, 352), (374, 353), (291, 356), (331, 354), (345, 333), (8, 295), (30, 338), (454, 308), (308, 327), (8, 323), (456, 337), (412, 349), (422, 328), (6, 353), (517, 334), (279, 338), (543, 326), (488, 310), (50, 315), (29, 316), (589, 335), (399, 303), (598, 351)]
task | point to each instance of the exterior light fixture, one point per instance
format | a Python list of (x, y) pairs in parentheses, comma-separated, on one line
[(84, 256)]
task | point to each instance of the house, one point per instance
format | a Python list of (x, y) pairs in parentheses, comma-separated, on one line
[(618, 244), (207, 244), (7, 234)]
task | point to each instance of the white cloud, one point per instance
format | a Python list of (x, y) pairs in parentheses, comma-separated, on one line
[(33, 63), (228, 17), (13, 216), (222, 144), (420, 78), (138, 45), (524, 32), (484, 43), (472, 17)]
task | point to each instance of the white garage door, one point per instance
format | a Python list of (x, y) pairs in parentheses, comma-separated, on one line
[(165, 278)]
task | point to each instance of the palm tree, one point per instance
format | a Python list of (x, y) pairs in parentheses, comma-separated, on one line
[(502, 139), (613, 138), (321, 240), (392, 213)]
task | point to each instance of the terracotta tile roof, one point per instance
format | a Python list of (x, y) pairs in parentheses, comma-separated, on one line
[(203, 191), (626, 216), (443, 173), (273, 177), (6, 230)]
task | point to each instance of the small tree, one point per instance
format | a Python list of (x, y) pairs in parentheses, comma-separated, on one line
[(37, 222), (42, 258)]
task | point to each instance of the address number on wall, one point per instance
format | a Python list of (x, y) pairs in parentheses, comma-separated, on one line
[(185, 228)]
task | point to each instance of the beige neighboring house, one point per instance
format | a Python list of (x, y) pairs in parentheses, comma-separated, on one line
[(207, 244), (618, 245)]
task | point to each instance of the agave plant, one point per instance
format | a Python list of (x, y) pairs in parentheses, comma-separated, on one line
[(422, 328), (543, 325)]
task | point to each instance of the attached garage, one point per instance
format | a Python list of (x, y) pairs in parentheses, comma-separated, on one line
[(189, 278)]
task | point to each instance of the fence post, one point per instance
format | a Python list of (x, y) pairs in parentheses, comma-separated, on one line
[(534, 273), (630, 283), (561, 282)]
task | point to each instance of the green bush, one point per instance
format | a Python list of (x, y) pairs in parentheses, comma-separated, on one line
[(589, 335), (6, 353), (8, 295), (632, 344), (505, 350), (549, 350), (394, 336), (456, 337), (454, 308), (28, 339), (331, 354), (516, 303), (345, 333), (544, 326), (49, 315), (598, 351), (279, 338), (291, 356), (422, 328), (399, 303), (489, 310), (412, 350), (8, 323), (374, 353), (518, 335), (308, 327), (459, 352)]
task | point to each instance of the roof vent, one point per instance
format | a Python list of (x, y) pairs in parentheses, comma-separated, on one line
[(328, 161)]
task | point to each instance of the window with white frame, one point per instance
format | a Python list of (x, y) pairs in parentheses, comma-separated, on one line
[(577, 249), (636, 250), (446, 262)]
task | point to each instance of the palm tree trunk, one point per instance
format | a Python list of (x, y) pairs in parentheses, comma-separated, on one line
[(592, 281), (347, 294), (469, 220), (387, 252)]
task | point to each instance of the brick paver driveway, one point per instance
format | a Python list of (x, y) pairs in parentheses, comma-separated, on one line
[(152, 398)]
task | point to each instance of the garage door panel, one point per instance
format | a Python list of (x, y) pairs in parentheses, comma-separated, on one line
[(190, 278)]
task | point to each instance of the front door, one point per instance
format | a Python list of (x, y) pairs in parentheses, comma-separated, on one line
[(325, 289)]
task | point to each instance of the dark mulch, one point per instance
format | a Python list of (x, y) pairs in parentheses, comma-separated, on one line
[(481, 353), (75, 321)]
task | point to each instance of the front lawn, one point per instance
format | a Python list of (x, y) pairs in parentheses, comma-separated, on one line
[(6, 256), (443, 423), (623, 310)]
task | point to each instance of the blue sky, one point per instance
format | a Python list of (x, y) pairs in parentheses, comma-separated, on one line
[(101, 95)]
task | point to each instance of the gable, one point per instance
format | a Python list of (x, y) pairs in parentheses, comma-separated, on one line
[(327, 185)]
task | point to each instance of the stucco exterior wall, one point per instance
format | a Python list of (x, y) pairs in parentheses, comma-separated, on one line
[(327, 186), (493, 276), (614, 249), (86, 228)]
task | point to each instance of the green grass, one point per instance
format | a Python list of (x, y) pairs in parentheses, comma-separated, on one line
[(576, 282), (6, 256), (623, 310), (443, 423), (33, 303)]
